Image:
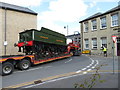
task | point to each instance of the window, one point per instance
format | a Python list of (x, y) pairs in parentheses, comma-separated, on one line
[(94, 43), (86, 27), (86, 44), (104, 42), (114, 18), (103, 22), (94, 25)]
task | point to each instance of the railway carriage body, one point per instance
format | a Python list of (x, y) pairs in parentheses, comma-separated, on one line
[(43, 43)]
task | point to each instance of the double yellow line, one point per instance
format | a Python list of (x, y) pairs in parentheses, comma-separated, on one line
[(54, 77)]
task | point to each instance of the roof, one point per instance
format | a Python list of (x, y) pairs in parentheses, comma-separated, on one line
[(16, 8), (73, 35), (95, 15), (101, 14)]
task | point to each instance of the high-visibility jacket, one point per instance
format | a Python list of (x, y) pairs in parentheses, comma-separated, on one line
[(105, 49)]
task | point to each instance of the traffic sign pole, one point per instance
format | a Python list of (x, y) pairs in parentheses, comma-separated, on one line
[(114, 41), (113, 56)]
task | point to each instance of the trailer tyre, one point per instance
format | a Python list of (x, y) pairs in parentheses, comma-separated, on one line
[(7, 68), (24, 64)]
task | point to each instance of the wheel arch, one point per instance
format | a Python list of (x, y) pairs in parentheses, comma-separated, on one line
[(11, 60), (28, 58)]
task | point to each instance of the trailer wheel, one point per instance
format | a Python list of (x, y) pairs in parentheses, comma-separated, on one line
[(24, 64), (7, 68)]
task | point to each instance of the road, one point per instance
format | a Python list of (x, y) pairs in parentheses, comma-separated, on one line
[(57, 71)]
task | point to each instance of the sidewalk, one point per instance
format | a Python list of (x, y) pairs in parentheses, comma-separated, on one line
[(102, 56), (110, 81)]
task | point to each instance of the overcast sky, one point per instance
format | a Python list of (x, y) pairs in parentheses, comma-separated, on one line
[(55, 14)]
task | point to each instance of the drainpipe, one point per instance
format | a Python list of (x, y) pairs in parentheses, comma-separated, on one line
[(5, 29)]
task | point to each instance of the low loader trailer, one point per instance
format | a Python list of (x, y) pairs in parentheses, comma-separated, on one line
[(23, 62), (38, 47)]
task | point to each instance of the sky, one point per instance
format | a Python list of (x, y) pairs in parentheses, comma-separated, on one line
[(57, 14)]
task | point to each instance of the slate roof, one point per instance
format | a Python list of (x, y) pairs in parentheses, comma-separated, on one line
[(100, 14), (16, 8)]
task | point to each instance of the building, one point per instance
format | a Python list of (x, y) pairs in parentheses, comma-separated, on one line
[(14, 19), (75, 38), (97, 31)]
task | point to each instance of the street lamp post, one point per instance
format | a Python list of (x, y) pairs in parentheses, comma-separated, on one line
[(67, 28)]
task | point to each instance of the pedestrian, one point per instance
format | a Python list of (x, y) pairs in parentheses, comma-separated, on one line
[(105, 51)]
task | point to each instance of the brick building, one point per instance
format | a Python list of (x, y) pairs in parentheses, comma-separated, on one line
[(14, 19)]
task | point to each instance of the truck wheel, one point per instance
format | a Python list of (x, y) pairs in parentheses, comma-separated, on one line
[(24, 64), (7, 68)]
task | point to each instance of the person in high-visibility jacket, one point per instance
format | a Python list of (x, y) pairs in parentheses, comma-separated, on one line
[(105, 51)]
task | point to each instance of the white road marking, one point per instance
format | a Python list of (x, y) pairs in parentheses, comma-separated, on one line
[(89, 69), (92, 61), (88, 66), (33, 69), (68, 61), (93, 67), (84, 72), (96, 64), (97, 61), (84, 68), (78, 71), (48, 66)]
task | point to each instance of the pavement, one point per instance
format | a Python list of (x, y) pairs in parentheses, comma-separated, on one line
[(101, 55)]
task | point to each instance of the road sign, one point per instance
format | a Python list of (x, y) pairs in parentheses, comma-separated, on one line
[(114, 38)]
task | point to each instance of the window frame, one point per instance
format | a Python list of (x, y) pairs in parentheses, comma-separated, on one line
[(94, 24), (93, 45), (103, 22), (105, 44), (115, 21), (86, 26), (86, 43)]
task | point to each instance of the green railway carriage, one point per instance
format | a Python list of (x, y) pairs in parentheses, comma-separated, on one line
[(43, 43), (44, 35)]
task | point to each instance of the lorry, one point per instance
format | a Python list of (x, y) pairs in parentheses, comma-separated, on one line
[(38, 47)]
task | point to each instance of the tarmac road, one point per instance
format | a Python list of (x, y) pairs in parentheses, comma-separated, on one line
[(62, 73), (46, 70)]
